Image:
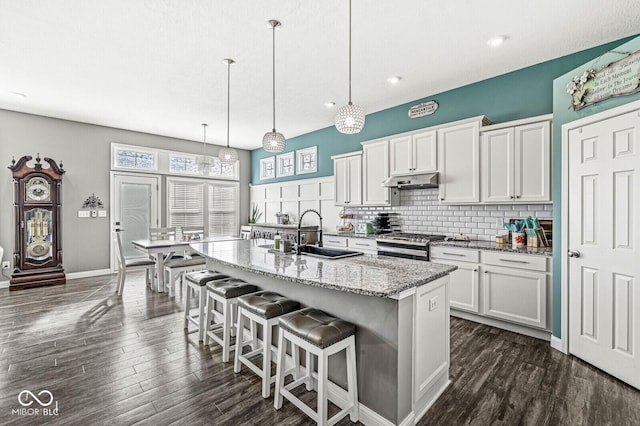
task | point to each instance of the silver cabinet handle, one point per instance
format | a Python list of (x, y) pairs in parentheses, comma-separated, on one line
[(453, 254), (511, 196), (486, 272), (513, 261), (573, 253), (475, 270)]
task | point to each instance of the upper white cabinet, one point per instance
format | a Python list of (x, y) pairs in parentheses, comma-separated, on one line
[(459, 162), (347, 173), (414, 153), (516, 162), (375, 169)]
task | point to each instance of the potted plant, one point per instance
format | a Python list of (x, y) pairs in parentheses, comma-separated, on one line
[(255, 215)]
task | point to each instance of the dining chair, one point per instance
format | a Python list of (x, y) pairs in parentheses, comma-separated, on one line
[(168, 233), (125, 265), (192, 232)]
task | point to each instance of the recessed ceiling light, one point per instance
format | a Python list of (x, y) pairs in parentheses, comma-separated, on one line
[(496, 41), (19, 95), (329, 104), (394, 80)]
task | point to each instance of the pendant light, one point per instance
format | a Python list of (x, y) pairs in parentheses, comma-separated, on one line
[(349, 118), (274, 141), (203, 162), (228, 155)]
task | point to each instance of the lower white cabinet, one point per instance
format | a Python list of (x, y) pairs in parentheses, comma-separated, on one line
[(365, 245), (507, 286), (515, 295)]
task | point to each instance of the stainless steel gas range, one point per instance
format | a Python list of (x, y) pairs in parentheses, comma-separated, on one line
[(410, 246)]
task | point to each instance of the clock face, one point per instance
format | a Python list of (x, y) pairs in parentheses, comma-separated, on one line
[(38, 189)]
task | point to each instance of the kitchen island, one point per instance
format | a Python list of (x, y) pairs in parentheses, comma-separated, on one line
[(400, 308)]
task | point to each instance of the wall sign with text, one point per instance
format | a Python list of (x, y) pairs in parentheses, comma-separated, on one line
[(423, 109)]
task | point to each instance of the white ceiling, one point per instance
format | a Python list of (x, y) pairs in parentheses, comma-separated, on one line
[(156, 66)]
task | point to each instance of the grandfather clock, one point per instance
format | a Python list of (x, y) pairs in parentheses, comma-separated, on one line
[(37, 258)]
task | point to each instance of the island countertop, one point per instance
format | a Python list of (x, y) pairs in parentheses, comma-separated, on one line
[(371, 275)]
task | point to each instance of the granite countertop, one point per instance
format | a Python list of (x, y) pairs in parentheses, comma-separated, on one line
[(489, 245), (371, 275)]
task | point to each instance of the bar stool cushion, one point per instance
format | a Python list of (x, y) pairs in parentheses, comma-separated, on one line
[(231, 288), (316, 327), (180, 262), (267, 304), (201, 278)]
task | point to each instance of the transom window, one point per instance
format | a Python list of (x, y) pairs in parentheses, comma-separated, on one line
[(133, 159)]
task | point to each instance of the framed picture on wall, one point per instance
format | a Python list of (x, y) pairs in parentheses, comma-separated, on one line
[(284, 163), (307, 160), (267, 168)]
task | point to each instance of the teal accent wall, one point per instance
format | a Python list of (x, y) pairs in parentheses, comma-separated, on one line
[(519, 94), (562, 114)]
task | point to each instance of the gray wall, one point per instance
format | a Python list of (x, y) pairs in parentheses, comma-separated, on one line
[(85, 151)]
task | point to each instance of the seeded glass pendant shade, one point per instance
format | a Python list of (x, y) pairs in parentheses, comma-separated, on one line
[(349, 118), (274, 141), (228, 155), (204, 163)]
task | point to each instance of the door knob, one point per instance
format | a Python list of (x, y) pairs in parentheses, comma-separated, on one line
[(573, 253)]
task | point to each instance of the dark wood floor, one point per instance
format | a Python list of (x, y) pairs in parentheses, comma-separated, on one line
[(110, 360)]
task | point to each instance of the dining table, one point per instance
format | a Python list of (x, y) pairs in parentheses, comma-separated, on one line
[(163, 250)]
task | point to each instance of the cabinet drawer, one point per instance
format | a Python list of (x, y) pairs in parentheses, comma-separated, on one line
[(363, 244), (513, 260), (455, 254), (338, 242)]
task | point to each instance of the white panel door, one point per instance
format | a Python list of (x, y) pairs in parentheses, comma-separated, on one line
[(401, 157), (424, 152), (459, 162), (604, 260), (496, 165), (533, 162), (375, 169)]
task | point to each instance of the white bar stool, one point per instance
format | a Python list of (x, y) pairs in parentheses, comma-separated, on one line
[(262, 308), (321, 335), (197, 281), (226, 293)]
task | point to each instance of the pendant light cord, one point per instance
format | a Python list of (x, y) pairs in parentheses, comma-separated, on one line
[(274, 77), (349, 52), (228, 97), (204, 140)]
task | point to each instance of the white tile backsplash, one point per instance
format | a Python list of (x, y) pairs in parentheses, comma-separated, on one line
[(421, 212)]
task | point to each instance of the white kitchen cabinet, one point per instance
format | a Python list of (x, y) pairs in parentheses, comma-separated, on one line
[(464, 282), (459, 162), (515, 295), (347, 173), (375, 169), (335, 241), (516, 163), (413, 153), (365, 245)]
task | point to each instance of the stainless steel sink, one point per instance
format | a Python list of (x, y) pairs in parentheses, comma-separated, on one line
[(328, 253)]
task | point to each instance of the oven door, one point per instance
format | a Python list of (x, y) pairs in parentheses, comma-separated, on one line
[(407, 251)]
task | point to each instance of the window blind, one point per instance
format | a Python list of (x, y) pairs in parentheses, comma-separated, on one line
[(186, 203), (223, 209)]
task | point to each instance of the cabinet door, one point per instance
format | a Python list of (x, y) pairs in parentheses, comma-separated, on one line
[(496, 165), (375, 169), (354, 181), (401, 157), (458, 163), (533, 161), (424, 152), (464, 291), (341, 176), (516, 296)]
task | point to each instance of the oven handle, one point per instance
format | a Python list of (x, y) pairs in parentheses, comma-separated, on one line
[(401, 250)]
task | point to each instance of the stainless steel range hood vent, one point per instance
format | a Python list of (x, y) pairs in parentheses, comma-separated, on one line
[(425, 180)]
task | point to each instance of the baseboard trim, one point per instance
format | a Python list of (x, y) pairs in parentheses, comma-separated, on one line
[(73, 275), (556, 343)]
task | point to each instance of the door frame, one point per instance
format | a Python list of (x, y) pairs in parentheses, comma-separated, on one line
[(112, 204), (564, 247)]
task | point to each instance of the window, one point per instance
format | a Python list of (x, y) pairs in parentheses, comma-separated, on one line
[(267, 166), (285, 164), (214, 205), (307, 160), (182, 164), (133, 159)]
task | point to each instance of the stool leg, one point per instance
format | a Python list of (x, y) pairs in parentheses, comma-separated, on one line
[(277, 399), (201, 324), (187, 302), (309, 370), (352, 380), (226, 331), (295, 354), (254, 335), (239, 334), (208, 306), (266, 361), (323, 360)]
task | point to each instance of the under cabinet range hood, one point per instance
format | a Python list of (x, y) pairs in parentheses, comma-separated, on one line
[(424, 180)]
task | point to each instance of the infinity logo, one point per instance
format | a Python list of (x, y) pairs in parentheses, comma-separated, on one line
[(23, 398)]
